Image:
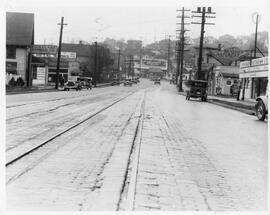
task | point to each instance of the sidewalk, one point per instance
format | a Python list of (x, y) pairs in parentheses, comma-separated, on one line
[(247, 106), (33, 89), (39, 89)]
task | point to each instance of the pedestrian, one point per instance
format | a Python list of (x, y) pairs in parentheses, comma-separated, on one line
[(238, 91), (62, 81)]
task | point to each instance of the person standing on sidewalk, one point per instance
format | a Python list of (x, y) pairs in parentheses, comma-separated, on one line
[(238, 91)]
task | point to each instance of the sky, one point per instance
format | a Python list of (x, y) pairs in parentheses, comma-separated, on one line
[(146, 20)]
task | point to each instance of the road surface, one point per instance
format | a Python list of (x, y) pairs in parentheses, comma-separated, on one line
[(138, 148)]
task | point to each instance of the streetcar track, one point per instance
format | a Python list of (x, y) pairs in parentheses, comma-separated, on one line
[(130, 184), (53, 100), (12, 161)]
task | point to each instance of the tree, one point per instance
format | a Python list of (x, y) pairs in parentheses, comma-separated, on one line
[(227, 41)]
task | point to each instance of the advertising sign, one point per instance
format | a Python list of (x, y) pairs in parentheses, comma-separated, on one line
[(68, 55), (254, 62), (40, 76), (153, 62), (44, 49)]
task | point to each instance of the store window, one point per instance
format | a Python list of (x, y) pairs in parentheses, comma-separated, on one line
[(11, 52), (34, 73)]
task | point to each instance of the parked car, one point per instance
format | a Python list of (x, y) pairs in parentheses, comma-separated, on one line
[(115, 82), (86, 82), (157, 81), (127, 83), (261, 107), (87, 85), (72, 85), (196, 89), (137, 79), (134, 81)]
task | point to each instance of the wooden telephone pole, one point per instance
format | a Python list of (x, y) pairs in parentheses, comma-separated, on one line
[(169, 51), (203, 12), (181, 47), (59, 52), (95, 71)]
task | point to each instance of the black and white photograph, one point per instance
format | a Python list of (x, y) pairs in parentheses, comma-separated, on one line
[(134, 106)]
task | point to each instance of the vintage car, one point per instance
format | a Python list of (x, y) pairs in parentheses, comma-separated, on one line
[(127, 82), (196, 89), (261, 107), (157, 81), (72, 85)]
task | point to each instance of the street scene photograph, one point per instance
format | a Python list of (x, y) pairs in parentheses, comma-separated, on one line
[(135, 106)]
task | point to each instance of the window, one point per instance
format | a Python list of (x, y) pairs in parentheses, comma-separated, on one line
[(34, 73), (11, 52), (229, 82)]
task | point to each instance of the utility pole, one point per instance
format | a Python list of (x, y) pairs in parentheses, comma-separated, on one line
[(95, 71), (118, 66), (132, 67), (59, 52), (203, 12), (256, 30), (181, 46), (169, 50), (129, 66), (141, 60)]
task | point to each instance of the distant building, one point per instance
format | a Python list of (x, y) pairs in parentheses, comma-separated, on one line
[(19, 39), (153, 68), (225, 78)]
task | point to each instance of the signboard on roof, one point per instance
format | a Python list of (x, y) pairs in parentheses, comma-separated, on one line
[(255, 62), (44, 49), (71, 55)]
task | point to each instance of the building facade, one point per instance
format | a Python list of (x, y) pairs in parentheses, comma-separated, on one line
[(226, 79), (254, 78), (19, 39)]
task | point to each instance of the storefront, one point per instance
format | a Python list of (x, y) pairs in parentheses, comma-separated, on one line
[(44, 70), (254, 78)]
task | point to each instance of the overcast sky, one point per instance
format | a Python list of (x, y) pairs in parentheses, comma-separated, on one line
[(147, 20)]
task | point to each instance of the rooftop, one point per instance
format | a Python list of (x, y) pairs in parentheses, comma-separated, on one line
[(19, 29)]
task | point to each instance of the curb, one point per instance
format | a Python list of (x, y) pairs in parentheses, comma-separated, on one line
[(24, 91), (234, 106), (40, 90), (248, 110)]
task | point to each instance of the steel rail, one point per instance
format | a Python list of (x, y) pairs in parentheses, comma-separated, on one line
[(12, 161)]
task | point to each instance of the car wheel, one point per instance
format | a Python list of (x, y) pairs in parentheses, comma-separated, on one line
[(260, 110)]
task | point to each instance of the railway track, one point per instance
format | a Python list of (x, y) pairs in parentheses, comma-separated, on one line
[(130, 172), (28, 152)]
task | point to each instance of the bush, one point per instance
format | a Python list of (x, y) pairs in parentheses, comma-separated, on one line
[(12, 82), (20, 82)]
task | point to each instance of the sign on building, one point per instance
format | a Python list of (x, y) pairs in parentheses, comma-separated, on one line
[(71, 55), (41, 73), (44, 49)]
